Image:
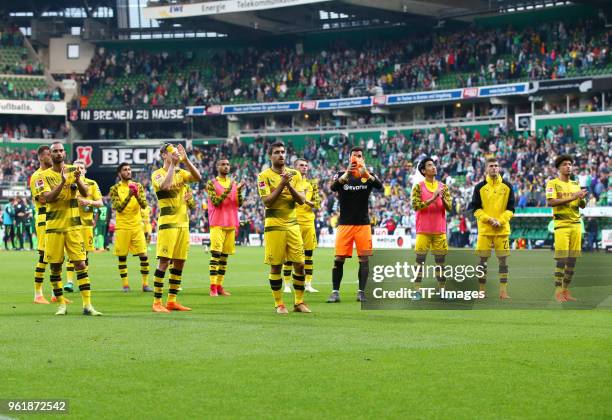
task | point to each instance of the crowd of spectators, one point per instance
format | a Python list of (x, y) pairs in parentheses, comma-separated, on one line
[(460, 156), (8, 90), (22, 66), (469, 57), (17, 165), (11, 37), (459, 153), (162, 70), (18, 130)]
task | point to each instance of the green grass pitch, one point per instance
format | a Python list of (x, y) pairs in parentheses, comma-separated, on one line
[(233, 357)]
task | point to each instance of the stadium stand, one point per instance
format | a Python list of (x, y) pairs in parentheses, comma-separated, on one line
[(460, 153), (470, 57), (127, 75), (20, 74)]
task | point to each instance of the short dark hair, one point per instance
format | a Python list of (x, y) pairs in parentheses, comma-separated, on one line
[(42, 149), (357, 149), (220, 159), (275, 145), (562, 158), (121, 166), (491, 160), (422, 164)]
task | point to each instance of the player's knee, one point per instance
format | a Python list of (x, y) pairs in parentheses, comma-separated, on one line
[(420, 258), (276, 269), (439, 259), (178, 264), (80, 265), (338, 263), (163, 264), (298, 268)]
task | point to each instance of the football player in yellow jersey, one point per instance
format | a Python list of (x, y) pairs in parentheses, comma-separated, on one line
[(44, 159), (280, 190), (493, 207), (224, 197), (171, 187), (128, 199), (63, 225), (86, 206), (306, 219), (566, 198)]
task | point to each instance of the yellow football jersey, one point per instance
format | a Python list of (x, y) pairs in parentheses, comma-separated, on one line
[(128, 214), (86, 212), (62, 215), (172, 205), (567, 214), (305, 213), (41, 209), (282, 212)]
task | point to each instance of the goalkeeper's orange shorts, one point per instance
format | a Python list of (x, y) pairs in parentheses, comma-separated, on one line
[(347, 235)]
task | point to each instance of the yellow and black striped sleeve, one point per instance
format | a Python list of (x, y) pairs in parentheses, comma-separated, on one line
[(316, 196), (446, 199), (191, 203), (215, 199), (116, 202), (417, 202), (141, 197)]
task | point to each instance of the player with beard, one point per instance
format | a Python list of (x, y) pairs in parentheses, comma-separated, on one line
[(86, 211), (58, 187), (224, 199), (128, 199), (280, 189)]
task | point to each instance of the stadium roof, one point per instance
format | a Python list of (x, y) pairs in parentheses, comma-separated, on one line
[(309, 16)]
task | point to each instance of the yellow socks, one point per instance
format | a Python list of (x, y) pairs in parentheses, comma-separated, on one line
[(144, 270), (69, 272), (84, 286), (276, 284), (158, 286), (123, 271), (308, 265), (58, 289), (213, 266), (221, 269), (175, 283), (39, 275), (287, 267), (298, 287)]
